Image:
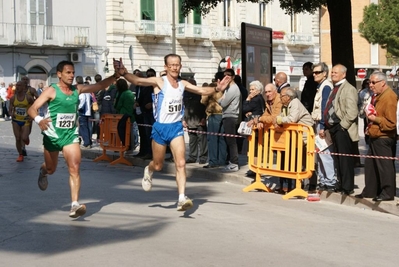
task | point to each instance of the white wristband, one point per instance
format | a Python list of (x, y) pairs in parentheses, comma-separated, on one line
[(38, 119)]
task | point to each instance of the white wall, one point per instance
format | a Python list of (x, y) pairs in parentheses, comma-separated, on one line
[(201, 57)]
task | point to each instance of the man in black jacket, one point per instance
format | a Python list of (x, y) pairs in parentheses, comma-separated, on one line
[(144, 115), (195, 119), (310, 87)]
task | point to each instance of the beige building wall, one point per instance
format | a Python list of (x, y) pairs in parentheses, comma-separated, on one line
[(364, 53)]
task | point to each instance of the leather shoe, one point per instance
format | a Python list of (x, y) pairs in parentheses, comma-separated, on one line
[(347, 193), (328, 188), (202, 161), (147, 156), (209, 166), (250, 174), (191, 161), (359, 196), (359, 165), (279, 191), (380, 198)]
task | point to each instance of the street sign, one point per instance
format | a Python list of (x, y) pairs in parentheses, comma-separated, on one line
[(361, 73)]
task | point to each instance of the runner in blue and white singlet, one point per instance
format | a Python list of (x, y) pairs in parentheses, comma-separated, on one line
[(168, 113), (168, 103)]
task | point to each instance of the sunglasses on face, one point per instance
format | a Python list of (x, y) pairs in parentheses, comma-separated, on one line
[(375, 82), (318, 72)]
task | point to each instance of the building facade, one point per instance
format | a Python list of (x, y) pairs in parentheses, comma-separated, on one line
[(36, 34), (367, 56), (143, 32)]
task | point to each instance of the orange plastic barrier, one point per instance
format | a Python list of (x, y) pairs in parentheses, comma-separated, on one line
[(109, 138), (286, 152)]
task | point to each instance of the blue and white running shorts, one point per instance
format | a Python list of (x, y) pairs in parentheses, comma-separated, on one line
[(164, 133)]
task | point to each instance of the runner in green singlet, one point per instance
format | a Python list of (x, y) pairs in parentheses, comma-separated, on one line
[(59, 128)]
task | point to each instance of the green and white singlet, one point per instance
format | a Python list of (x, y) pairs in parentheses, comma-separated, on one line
[(63, 113)]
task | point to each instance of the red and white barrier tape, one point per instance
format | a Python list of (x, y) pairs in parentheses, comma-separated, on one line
[(200, 132), (319, 152), (356, 156)]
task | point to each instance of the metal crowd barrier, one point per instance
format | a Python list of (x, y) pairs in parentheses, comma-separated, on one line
[(287, 152), (109, 138)]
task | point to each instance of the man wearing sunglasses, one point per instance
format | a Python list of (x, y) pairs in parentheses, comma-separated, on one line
[(380, 174)]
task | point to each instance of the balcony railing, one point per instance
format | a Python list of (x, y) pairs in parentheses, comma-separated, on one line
[(301, 39), (195, 31), (192, 31), (225, 34), (183, 31), (152, 28), (43, 35)]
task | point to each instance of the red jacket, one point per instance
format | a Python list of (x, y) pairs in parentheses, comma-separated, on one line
[(10, 92)]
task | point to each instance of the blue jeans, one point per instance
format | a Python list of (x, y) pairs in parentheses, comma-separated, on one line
[(325, 166), (84, 129), (217, 148)]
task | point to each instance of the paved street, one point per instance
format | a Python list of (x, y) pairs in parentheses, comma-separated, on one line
[(125, 226)]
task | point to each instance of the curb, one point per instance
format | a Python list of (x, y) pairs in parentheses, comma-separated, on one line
[(196, 171)]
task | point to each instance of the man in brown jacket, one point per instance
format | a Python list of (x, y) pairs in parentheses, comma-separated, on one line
[(273, 106), (272, 110), (380, 174)]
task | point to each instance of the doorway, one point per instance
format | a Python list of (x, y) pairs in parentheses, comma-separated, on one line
[(37, 75)]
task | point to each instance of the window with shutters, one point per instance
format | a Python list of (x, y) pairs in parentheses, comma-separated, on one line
[(37, 12), (197, 18), (190, 24), (227, 13), (37, 18), (182, 19), (148, 13), (147, 10)]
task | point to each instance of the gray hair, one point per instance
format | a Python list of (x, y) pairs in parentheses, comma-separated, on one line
[(271, 85), (290, 92), (380, 75), (342, 67), (323, 66), (258, 85)]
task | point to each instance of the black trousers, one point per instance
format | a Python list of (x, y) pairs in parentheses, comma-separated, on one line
[(145, 145), (122, 128), (229, 125), (198, 145), (342, 143), (380, 174)]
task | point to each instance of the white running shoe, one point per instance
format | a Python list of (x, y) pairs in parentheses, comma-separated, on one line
[(184, 205), (77, 211), (146, 183), (231, 167), (42, 181)]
